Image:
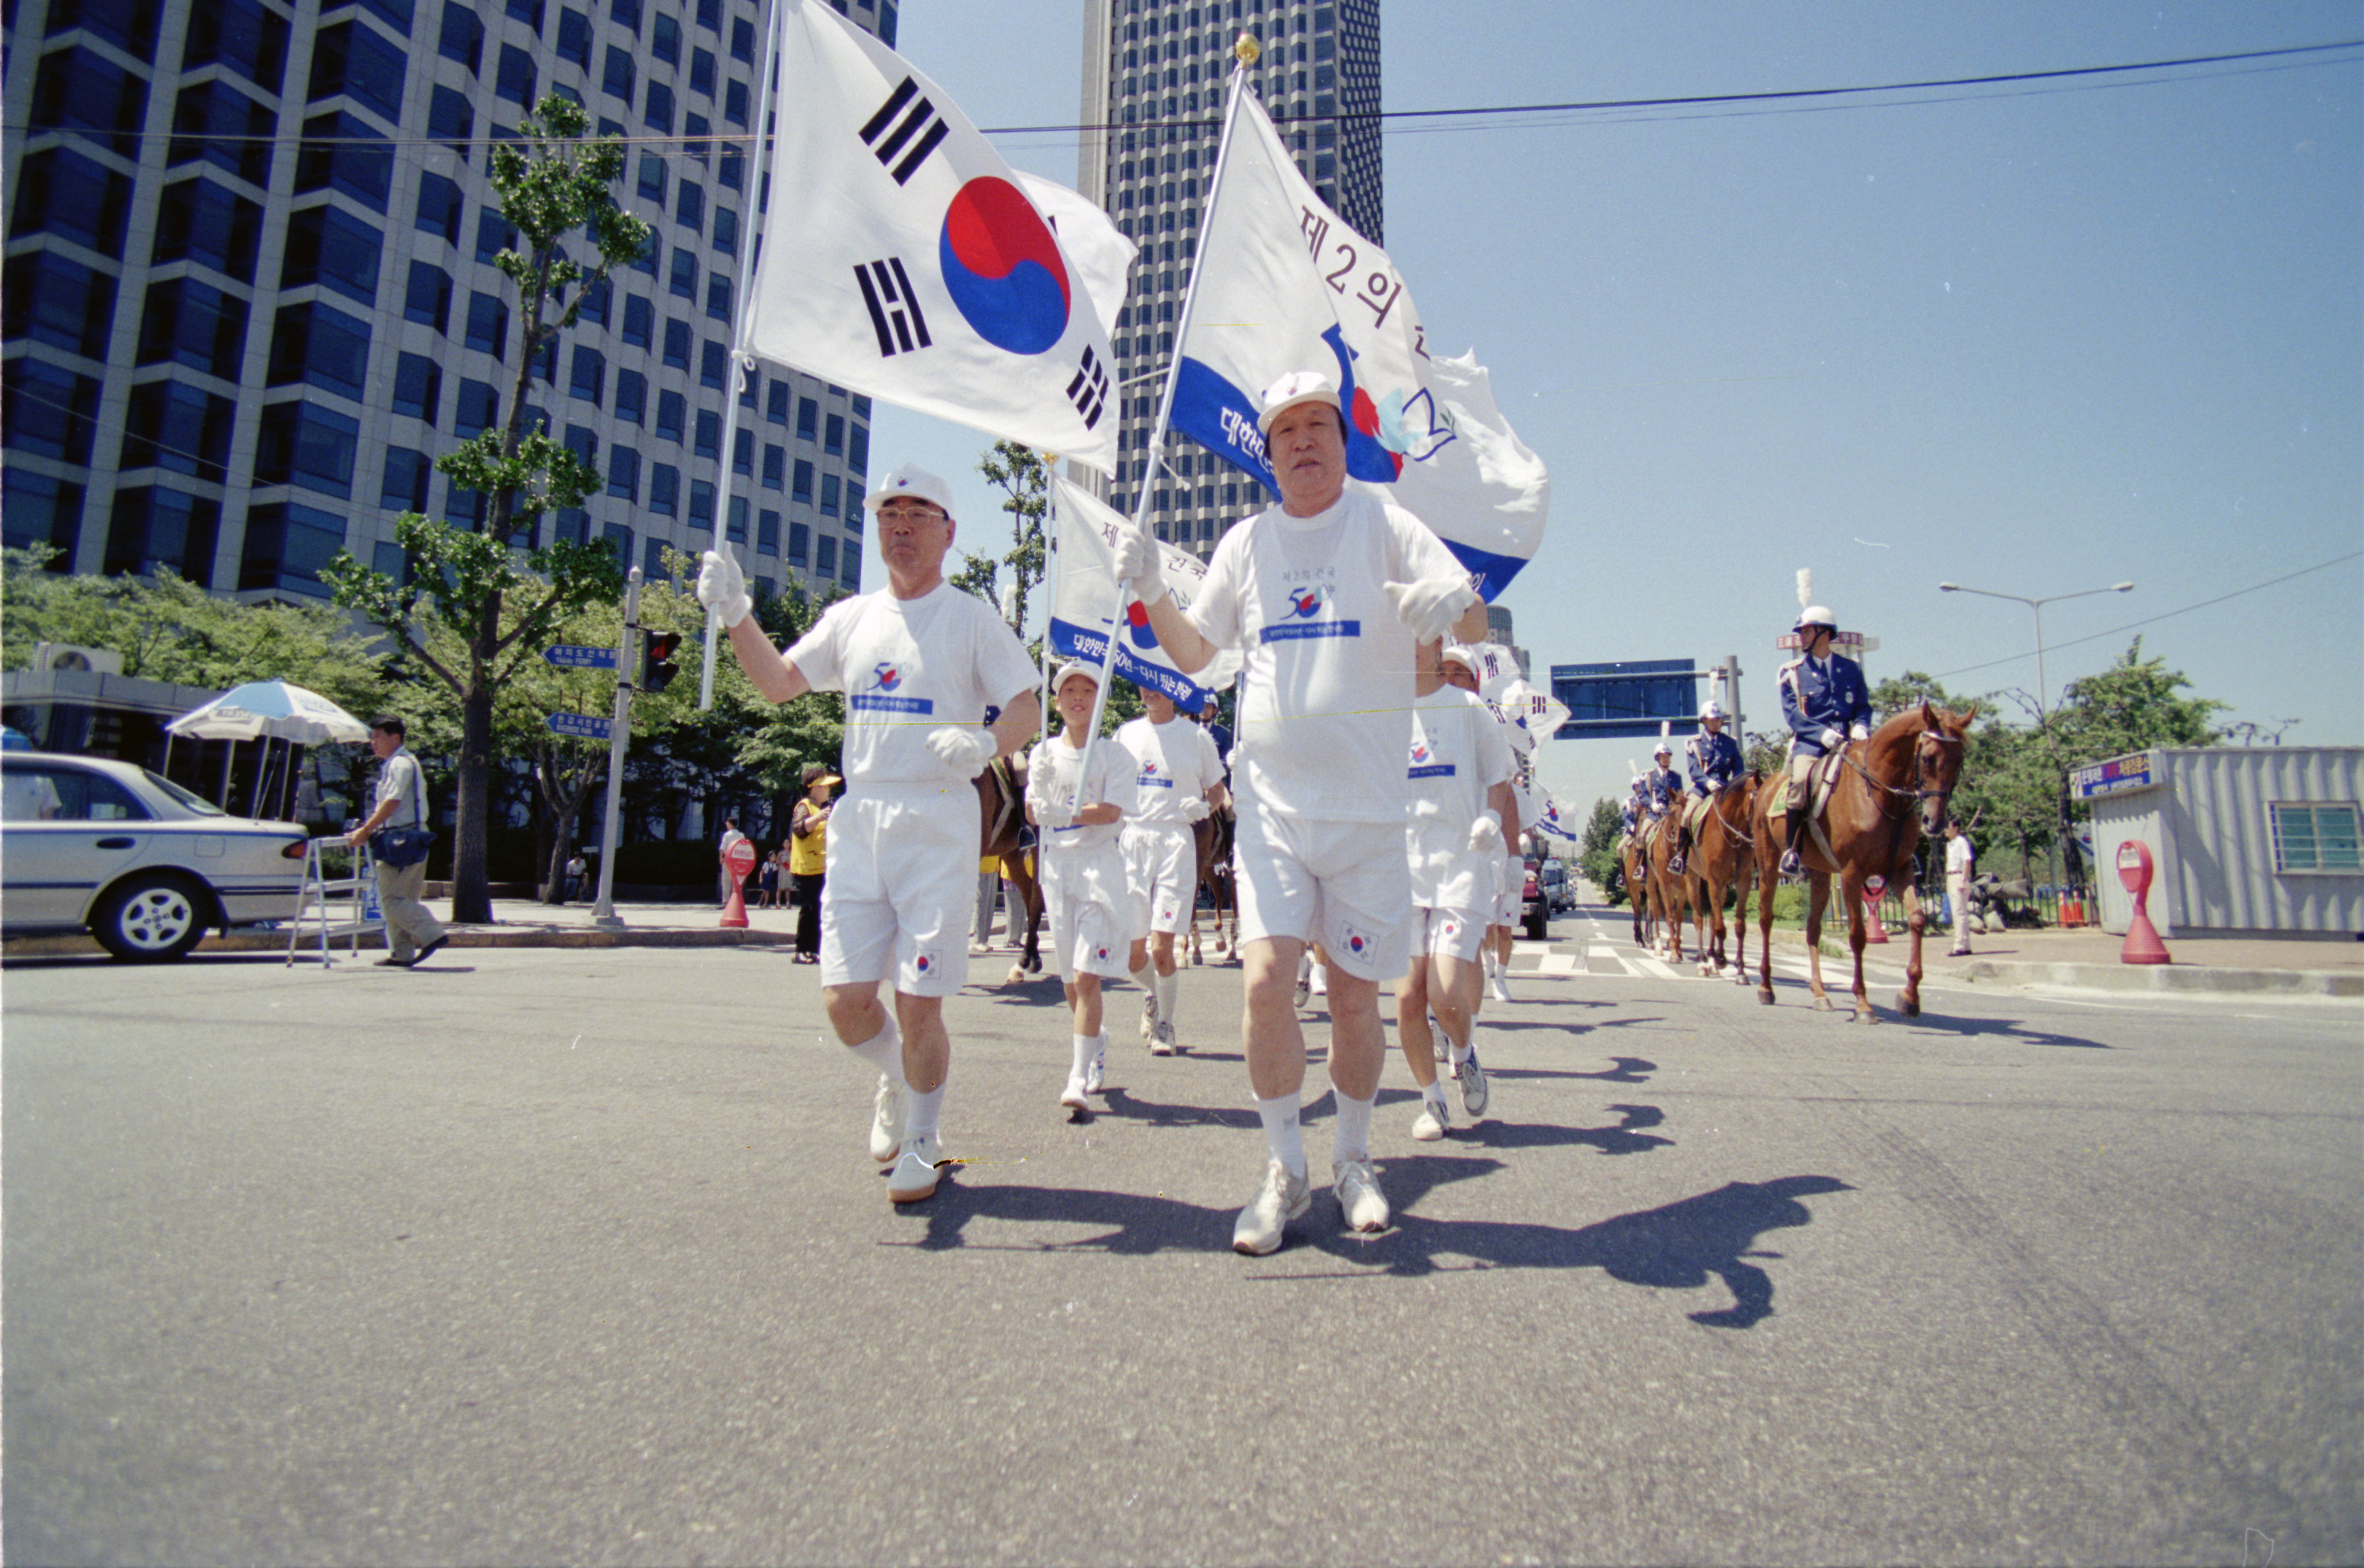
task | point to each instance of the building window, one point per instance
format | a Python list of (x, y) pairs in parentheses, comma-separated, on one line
[(825, 557), (189, 323), (640, 321), (60, 192), (334, 249), (800, 542), (624, 473), (494, 234), (49, 411), (441, 210), (242, 36), (800, 487), (829, 489), (157, 530), (617, 79), (179, 428), (216, 123), (672, 415), (767, 533), (426, 297), (589, 377), (808, 420), (775, 467), (311, 446), (418, 388), (197, 220), (477, 410), (775, 401), (2314, 838), (657, 115), (488, 323), (684, 274), (665, 38), (632, 396), (343, 153), (709, 434), (574, 39), (462, 36), (450, 120), (701, 504), (41, 512), (714, 366), (352, 59), (516, 76), (313, 345), (664, 489), (403, 487), (286, 545)]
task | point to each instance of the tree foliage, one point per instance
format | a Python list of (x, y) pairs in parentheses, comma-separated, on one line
[(1598, 853)]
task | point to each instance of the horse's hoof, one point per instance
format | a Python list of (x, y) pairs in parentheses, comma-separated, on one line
[(1908, 1005), (1824, 1005), (1765, 994), (1017, 976), (1863, 1016)]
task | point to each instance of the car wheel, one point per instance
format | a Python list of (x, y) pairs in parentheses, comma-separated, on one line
[(150, 919), (1538, 928)]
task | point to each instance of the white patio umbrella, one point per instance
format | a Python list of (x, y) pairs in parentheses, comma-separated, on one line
[(266, 710)]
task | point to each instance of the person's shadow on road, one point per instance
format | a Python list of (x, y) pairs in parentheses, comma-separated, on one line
[(1677, 1247)]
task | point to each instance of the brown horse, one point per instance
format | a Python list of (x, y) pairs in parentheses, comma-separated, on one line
[(1001, 801), (1669, 893), (1214, 843), (1633, 858), (1891, 789), (1719, 857)]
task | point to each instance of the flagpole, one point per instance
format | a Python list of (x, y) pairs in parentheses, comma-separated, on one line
[(743, 365)]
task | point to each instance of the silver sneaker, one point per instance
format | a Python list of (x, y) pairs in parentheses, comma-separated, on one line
[(1357, 1183), (915, 1174), (1162, 1042), (1433, 1122), (1283, 1197), (886, 1121), (1473, 1085)]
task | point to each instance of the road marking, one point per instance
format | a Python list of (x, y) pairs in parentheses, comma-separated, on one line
[(1557, 964)]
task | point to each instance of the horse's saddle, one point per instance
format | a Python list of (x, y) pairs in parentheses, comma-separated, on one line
[(1820, 780)]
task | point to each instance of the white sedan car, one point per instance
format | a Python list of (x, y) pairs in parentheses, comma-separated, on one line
[(135, 859)]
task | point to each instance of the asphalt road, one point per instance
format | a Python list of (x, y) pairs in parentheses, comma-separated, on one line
[(576, 1255)]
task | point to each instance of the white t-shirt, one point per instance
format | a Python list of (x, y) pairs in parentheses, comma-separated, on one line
[(1959, 856), (1327, 666), (1174, 762), (907, 667), (1458, 754), (1053, 773)]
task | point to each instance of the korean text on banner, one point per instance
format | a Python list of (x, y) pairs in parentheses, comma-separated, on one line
[(1090, 604), (902, 258), (1283, 284)]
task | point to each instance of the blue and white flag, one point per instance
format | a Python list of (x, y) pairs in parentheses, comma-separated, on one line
[(1282, 285), (1090, 603), (903, 259), (1551, 822)]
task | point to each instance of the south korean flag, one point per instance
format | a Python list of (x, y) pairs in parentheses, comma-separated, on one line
[(903, 259)]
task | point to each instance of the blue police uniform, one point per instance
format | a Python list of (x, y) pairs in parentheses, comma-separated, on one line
[(1666, 787), (1814, 698), (1713, 758)]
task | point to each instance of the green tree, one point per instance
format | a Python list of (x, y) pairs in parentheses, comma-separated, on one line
[(1598, 853), (1024, 480), (551, 182)]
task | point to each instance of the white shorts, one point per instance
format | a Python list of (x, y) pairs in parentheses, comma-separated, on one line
[(901, 888), (1510, 891), (1162, 865), (1345, 884), (1448, 933)]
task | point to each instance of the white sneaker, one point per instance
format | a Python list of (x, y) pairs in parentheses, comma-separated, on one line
[(1148, 1014), (1501, 986), (1096, 1073), (1473, 1085), (915, 1174), (1357, 1183), (1304, 984), (1433, 1122), (886, 1121), (1321, 985), (1283, 1197), (1072, 1097), (1162, 1042)]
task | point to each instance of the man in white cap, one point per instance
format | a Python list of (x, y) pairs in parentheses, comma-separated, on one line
[(1326, 595), (1076, 802), (920, 663), (1459, 811), (1826, 704), (1714, 760), (1178, 779)]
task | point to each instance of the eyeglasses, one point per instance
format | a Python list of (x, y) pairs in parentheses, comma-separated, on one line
[(893, 514)]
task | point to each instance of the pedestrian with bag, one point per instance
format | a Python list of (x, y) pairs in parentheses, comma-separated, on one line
[(398, 822)]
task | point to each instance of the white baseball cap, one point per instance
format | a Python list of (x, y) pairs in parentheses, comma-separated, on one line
[(1074, 667), (1455, 653), (914, 482), (1297, 386)]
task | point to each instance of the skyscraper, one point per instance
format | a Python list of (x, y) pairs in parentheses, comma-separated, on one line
[(250, 290), (1154, 85)]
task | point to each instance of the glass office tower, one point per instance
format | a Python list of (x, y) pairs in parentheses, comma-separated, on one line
[(250, 293), (1154, 83)]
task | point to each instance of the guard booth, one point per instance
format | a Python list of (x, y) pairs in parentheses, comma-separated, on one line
[(2249, 840)]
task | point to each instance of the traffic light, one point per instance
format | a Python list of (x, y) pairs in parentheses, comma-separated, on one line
[(657, 668)]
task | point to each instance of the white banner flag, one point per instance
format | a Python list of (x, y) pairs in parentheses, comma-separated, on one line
[(1282, 285), (1100, 252), (902, 258), (1089, 603)]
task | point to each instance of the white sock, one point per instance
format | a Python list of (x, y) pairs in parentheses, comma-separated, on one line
[(1350, 1136), (1144, 977), (1085, 1045), (1166, 987), (1457, 1050), (920, 1112), (1283, 1134), (1433, 1091), (884, 1050)]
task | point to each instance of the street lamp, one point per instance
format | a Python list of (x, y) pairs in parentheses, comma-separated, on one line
[(2037, 605)]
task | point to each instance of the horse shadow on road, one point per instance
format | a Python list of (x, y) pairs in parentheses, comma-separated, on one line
[(1680, 1246), (1625, 1137)]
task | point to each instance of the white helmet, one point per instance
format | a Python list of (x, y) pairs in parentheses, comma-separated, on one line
[(1664, 750), (1714, 709), (1815, 615)]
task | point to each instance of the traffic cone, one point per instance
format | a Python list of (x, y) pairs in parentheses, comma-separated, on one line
[(734, 914)]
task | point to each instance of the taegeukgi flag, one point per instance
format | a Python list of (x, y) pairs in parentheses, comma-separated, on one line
[(1090, 603)]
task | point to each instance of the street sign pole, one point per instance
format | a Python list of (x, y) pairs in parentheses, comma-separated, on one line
[(620, 732)]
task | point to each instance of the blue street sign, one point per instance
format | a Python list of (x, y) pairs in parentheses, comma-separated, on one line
[(581, 724), (574, 656), (1626, 700)]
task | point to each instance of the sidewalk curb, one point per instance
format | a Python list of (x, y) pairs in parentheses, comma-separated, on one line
[(457, 937), (2158, 979)]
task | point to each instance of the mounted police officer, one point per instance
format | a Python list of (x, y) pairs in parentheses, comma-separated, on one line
[(1826, 704), (1635, 804), (1713, 760), (1664, 785)]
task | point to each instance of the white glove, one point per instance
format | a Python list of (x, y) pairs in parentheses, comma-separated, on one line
[(1432, 605), (722, 587), (1196, 809), (1137, 563), (1862, 732), (1833, 738), (966, 751), (1055, 816), (1486, 832), (1715, 785)]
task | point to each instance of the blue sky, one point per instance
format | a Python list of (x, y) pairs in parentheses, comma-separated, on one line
[(2033, 338)]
